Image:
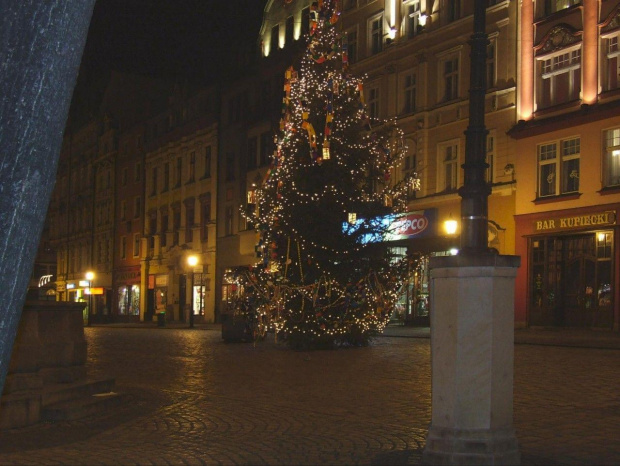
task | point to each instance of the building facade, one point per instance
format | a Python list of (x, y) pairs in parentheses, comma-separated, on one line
[(181, 195), (567, 143)]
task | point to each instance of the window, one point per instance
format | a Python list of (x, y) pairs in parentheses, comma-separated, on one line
[(288, 37), (166, 183), (275, 39), (152, 228), (207, 163), (611, 63), (189, 220), (137, 207), (490, 65), (449, 157), (164, 227), (558, 167), (553, 6), (124, 177), (411, 18), (228, 225), (409, 93), (305, 21), (560, 78), (450, 79), (123, 247), (154, 181), (351, 46), (138, 172), (373, 102), (230, 166), (136, 245), (490, 158), (266, 144), (375, 34), (252, 152), (179, 171), (205, 218), (453, 9), (176, 225), (192, 167), (123, 210), (611, 163)]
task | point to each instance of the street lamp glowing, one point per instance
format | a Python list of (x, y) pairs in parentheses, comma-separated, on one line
[(450, 226), (90, 275), (192, 261)]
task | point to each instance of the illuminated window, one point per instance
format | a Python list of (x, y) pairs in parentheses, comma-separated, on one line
[(450, 78), (372, 102), (409, 93), (452, 9), (558, 167), (553, 6), (559, 78), (611, 162), (490, 64), (375, 34), (411, 18), (450, 156), (610, 62)]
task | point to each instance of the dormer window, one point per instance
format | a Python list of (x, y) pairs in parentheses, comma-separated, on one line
[(553, 6)]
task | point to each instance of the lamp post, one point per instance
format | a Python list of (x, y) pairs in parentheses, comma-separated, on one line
[(90, 276), (192, 261)]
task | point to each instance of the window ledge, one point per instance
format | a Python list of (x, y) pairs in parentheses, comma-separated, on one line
[(609, 190), (558, 198)]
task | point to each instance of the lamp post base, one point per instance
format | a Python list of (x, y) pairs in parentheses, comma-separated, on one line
[(459, 447)]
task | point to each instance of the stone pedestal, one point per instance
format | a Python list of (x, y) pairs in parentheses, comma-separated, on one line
[(472, 354)]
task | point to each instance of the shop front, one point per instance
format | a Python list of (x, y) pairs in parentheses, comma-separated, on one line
[(415, 237), (127, 302), (568, 274)]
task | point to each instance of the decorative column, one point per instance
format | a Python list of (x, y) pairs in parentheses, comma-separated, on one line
[(472, 314)]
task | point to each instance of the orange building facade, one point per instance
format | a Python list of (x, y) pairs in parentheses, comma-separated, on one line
[(568, 165)]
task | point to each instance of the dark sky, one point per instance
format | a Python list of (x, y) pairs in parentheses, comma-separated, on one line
[(161, 38), (169, 36)]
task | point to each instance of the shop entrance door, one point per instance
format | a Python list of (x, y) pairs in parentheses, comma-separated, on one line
[(579, 280)]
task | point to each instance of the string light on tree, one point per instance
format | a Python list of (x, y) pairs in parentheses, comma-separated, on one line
[(318, 280)]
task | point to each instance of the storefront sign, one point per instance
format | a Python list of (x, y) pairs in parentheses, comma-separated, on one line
[(600, 219), (127, 276), (98, 290), (411, 225)]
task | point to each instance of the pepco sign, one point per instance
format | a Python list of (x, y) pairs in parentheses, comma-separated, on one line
[(412, 224)]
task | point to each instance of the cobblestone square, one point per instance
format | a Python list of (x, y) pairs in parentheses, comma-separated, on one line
[(190, 398)]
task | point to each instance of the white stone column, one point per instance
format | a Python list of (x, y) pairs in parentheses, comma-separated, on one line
[(472, 361)]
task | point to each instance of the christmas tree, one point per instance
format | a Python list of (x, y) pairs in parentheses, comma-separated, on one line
[(323, 276)]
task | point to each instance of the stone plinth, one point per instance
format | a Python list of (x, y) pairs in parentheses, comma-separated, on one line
[(472, 361), (49, 348)]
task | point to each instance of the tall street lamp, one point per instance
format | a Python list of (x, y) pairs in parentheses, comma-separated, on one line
[(90, 277), (192, 261)]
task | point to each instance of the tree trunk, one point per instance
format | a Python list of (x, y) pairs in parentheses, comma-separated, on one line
[(40, 52)]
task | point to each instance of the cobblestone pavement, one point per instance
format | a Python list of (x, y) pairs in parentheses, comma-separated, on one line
[(190, 398)]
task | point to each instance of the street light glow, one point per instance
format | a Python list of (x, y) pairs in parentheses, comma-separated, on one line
[(192, 260), (90, 275)]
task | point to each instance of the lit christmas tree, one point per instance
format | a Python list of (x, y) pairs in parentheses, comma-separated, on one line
[(324, 277)]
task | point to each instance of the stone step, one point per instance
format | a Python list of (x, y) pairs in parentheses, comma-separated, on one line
[(60, 392), (80, 407)]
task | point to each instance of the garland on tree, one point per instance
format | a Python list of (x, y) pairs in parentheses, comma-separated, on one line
[(319, 280)]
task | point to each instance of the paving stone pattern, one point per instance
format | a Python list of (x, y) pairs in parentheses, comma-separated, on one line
[(190, 398)]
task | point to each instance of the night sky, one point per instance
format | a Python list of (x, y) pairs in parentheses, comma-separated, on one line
[(165, 38)]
